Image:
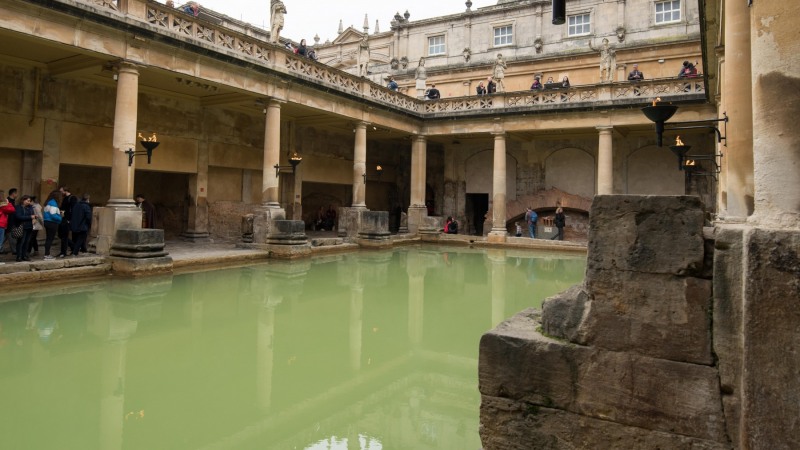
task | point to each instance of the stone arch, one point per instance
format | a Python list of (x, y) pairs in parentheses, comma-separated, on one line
[(571, 170), (479, 180), (654, 171)]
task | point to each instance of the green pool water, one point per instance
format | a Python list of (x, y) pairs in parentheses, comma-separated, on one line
[(369, 350)]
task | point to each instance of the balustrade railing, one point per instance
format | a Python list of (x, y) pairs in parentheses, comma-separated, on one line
[(277, 58)]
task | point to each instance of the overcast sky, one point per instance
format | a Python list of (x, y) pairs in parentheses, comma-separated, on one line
[(305, 18)]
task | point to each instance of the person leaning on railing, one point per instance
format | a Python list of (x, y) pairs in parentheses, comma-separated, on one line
[(635, 74)]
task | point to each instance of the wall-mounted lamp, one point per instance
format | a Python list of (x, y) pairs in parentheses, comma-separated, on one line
[(364, 176), (696, 165), (294, 160), (149, 144), (661, 113)]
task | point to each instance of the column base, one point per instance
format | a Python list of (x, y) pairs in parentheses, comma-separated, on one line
[(497, 236), (264, 223), (196, 236), (416, 218), (107, 220)]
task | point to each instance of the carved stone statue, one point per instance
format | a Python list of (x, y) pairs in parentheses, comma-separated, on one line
[(421, 73), (363, 56), (277, 10), (499, 73), (608, 57)]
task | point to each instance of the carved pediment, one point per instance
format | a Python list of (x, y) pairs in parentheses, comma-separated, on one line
[(349, 35)]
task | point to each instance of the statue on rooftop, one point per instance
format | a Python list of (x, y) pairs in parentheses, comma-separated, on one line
[(499, 73), (277, 10), (421, 73), (363, 56)]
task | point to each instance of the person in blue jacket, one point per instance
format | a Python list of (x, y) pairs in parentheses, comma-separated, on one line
[(80, 224), (52, 219)]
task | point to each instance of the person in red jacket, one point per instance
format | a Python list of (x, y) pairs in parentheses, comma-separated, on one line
[(6, 209)]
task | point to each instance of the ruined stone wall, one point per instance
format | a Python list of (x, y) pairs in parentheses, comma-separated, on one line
[(622, 361)]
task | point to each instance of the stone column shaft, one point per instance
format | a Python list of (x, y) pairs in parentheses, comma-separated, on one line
[(272, 155), (360, 166), (418, 171), (499, 186), (605, 163), (776, 136), (125, 136), (738, 97)]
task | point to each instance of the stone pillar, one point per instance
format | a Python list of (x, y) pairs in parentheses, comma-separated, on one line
[(197, 228), (272, 157), (737, 95), (51, 158), (776, 136), (121, 211), (360, 166), (498, 233), (605, 163), (417, 210), (125, 136)]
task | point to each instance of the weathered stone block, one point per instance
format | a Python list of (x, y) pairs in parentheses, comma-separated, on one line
[(287, 232), (139, 243), (771, 348), (626, 388), (661, 234), (659, 315), (263, 223), (374, 225), (528, 426), (563, 313)]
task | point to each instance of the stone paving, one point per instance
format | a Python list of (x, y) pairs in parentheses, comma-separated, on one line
[(190, 255)]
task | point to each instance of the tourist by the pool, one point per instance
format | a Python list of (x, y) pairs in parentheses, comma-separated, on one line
[(67, 204), (80, 224), (531, 217), (52, 220), (560, 222)]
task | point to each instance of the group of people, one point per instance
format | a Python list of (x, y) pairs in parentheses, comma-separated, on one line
[(532, 218), (302, 50), (63, 214), (450, 226), (326, 219), (550, 83)]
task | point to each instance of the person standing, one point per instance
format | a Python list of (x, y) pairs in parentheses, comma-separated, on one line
[(635, 74), (24, 216), (52, 219), (67, 204), (12, 222), (33, 245), (392, 84), (531, 217), (148, 211), (481, 89), (433, 93), (7, 210), (560, 221), (491, 88), (80, 224)]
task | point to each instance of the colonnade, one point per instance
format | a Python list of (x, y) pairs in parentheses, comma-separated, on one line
[(121, 208)]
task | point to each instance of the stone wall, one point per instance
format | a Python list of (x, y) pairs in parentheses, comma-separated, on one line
[(624, 360)]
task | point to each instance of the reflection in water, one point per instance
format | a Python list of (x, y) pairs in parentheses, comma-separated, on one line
[(369, 350)]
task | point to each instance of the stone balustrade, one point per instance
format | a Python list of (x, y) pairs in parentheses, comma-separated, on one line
[(254, 47)]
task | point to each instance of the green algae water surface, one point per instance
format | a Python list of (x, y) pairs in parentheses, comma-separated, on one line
[(370, 350)]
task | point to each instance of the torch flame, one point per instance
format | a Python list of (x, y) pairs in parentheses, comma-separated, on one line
[(658, 99), (152, 138), (678, 141), (690, 162)]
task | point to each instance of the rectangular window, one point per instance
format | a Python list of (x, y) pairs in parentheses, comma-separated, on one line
[(669, 11), (503, 35), (436, 45), (579, 25)]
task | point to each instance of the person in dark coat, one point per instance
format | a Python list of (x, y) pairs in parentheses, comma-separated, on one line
[(148, 211), (25, 216), (80, 224), (67, 204), (560, 222)]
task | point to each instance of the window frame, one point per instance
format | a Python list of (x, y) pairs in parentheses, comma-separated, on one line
[(584, 24), (679, 10), (509, 37), (443, 44)]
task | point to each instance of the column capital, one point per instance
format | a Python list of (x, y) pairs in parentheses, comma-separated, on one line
[(125, 66), (363, 124), (420, 137), (273, 102), (604, 128), (498, 134)]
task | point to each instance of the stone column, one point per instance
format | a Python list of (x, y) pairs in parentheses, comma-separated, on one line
[(125, 136), (605, 163), (417, 210), (197, 228), (360, 166), (737, 95), (121, 211), (776, 136), (498, 233), (272, 155)]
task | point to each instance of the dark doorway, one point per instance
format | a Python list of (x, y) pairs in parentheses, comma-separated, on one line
[(475, 210)]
